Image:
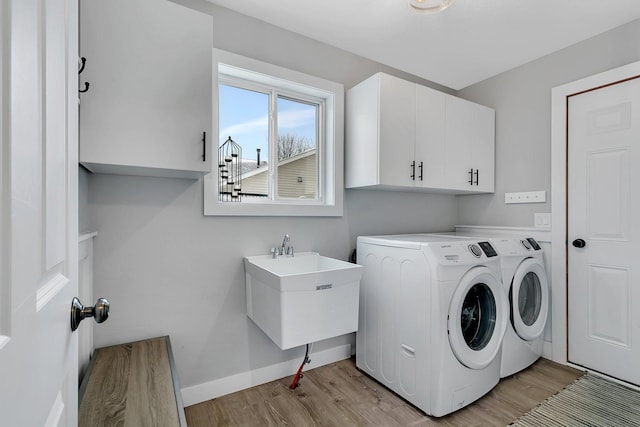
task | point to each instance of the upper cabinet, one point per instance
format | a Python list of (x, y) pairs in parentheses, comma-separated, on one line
[(401, 135), (149, 102), (469, 146)]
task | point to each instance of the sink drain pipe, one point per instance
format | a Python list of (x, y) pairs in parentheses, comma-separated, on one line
[(298, 376)]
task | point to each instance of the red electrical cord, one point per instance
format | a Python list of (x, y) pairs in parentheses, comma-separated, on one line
[(299, 375)]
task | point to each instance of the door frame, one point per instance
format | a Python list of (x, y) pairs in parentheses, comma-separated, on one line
[(559, 219)]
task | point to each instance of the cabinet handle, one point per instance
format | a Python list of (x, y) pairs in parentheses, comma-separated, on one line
[(420, 171), (471, 176), (413, 170), (477, 175), (204, 146)]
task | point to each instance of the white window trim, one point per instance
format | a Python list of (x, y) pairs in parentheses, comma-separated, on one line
[(332, 175)]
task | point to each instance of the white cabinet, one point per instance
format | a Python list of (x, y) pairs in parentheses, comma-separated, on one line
[(469, 155), (380, 132), (149, 67), (401, 135), (396, 120), (430, 138)]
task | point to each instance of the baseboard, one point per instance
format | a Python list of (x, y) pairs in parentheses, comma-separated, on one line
[(212, 389), (547, 350)]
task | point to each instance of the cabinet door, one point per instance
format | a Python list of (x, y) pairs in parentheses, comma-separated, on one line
[(149, 100), (469, 154), (397, 123), (483, 148), (430, 137)]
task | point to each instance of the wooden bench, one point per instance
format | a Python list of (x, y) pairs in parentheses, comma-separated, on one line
[(132, 384)]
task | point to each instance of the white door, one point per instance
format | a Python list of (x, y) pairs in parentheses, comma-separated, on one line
[(39, 226), (603, 229)]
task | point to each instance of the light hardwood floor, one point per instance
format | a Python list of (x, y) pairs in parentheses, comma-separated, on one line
[(340, 395)]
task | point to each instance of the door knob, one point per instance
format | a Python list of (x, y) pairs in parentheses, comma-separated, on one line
[(99, 312), (579, 243)]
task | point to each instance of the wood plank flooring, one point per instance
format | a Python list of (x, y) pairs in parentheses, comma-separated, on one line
[(340, 395), (130, 385)]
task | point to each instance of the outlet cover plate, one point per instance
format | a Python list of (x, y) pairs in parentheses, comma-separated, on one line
[(542, 220)]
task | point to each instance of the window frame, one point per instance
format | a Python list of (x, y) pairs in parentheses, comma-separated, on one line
[(230, 67), (274, 95)]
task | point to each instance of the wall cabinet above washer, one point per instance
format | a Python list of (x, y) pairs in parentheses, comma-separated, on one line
[(149, 101), (405, 136)]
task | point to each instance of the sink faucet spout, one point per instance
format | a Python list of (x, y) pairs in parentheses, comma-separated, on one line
[(286, 240)]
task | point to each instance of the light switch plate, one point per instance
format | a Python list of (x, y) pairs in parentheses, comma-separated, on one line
[(526, 197), (542, 220)]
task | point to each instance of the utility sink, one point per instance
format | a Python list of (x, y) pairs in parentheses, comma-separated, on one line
[(301, 299)]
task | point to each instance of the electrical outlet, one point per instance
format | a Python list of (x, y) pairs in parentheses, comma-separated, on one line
[(542, 220), (525, 197)]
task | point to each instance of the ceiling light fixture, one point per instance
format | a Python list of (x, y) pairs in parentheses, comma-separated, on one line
[(430, 6)]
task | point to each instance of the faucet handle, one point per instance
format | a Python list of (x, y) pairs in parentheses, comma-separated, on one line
[(275, 252), (290, 250)]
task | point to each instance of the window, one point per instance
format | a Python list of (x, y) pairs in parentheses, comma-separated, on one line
[(280, 141)]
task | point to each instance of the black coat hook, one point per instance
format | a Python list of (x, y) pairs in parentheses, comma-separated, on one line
[(83, 61)]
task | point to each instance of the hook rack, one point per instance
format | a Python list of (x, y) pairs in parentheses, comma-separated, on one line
[(83, 62)]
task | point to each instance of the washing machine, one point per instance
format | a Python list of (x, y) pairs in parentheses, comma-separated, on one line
[(433, 314), (526, 286)]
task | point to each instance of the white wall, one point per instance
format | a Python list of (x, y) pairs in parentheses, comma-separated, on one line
[(167, 269), (83, 199), (522, 100)]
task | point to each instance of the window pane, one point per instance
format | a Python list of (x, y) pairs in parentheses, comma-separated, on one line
[(243, 117), (297, 149)]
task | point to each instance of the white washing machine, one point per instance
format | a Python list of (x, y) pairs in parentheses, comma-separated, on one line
[(527, 289), (433, 314)]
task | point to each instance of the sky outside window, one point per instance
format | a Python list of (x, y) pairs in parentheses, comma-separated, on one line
[(243, 115)]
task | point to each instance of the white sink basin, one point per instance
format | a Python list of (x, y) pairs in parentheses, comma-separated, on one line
[(302, 299)]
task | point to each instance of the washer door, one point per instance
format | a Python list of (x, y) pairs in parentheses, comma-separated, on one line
[(477, 318), (529, 299)]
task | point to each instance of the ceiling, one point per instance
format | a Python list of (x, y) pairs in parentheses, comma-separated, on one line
[(470, 41)]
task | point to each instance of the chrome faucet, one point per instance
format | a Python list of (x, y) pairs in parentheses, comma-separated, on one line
[(286, 240), (283, 249)]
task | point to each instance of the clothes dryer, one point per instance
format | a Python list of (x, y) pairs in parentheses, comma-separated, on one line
[(433, 314), (527, 288)]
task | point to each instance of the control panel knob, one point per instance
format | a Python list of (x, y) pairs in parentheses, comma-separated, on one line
[(475, 250)]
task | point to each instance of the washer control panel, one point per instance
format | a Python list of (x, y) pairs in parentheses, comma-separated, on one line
[(533, 243), (488, 249)]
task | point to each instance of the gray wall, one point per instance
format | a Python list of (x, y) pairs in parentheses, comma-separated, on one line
[(167, 269), (522, 100)]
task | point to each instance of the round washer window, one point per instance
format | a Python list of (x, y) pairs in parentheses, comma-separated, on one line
[(478, 317), (530, 298)]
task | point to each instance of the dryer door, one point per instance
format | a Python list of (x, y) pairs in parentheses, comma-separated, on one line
[(529, 299), (477, 319)]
